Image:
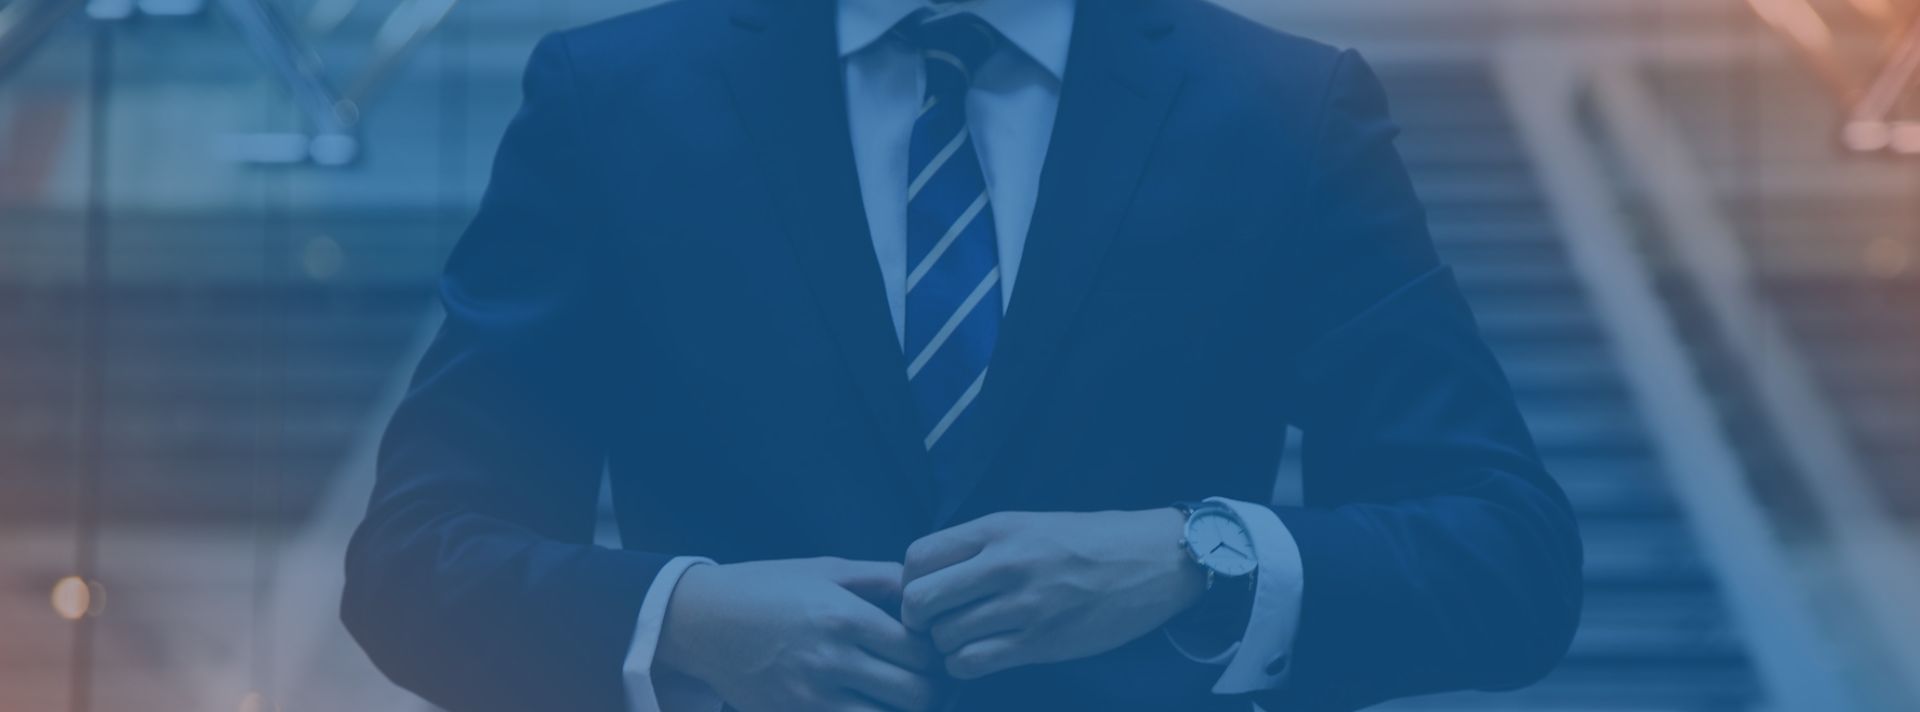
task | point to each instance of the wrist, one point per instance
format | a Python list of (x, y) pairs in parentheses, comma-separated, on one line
[(680, 628), (1222, 553), (1189, 577)]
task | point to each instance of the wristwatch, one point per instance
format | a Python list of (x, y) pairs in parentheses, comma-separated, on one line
[(1218, 540)]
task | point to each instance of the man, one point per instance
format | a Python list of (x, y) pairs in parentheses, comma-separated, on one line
[(963, 336)]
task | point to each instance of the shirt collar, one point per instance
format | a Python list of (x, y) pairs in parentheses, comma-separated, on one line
[(1041, 29)]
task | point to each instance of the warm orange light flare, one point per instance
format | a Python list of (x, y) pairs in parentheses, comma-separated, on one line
[(72, 598), (1798, 20), (1867, 136), (1876, 9), (1906, 138)]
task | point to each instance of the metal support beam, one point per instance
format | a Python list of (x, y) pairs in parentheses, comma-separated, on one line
[(24, 23)]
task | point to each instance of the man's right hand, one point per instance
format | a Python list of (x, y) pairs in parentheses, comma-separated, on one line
[(799, 634)]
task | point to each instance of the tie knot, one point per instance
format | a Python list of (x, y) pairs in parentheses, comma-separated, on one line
[(955, 44)]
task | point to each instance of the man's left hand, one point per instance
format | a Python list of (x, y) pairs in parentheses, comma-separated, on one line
[(1020, 588)]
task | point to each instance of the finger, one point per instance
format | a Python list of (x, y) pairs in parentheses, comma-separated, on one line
[(983, 619), (986, 657), (891, 686), (950, 546), (885, 638), (929, 597), (876, 581)]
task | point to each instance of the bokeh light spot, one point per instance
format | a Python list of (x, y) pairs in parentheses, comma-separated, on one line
[(322, 258), (1867, 136), (72, 598)]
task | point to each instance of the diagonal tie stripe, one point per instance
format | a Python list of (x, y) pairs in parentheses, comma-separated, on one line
[(966, 221), (953, 413), (939, 160), (952, 324), (953, 268)]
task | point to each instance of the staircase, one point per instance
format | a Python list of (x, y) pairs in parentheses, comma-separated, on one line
[(230, 396), (227, 396), (1656, 634), (1834, 242)]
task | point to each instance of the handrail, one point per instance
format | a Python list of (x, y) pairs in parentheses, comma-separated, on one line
[(334, 114), (1542, 84), (25, 23), (325, 16), (262, 29), (1869, 102), (1872, 558), (1808, 33), (1872, 125), (398, 37)]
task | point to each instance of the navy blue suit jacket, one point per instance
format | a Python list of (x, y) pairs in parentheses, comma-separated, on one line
[(671, 277)]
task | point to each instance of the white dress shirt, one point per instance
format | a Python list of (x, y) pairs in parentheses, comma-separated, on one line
[(1010, 110)]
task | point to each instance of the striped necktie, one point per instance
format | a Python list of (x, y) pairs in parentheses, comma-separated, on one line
[(953, 265)]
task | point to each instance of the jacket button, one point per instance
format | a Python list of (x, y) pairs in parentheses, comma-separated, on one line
[(1279, 665)]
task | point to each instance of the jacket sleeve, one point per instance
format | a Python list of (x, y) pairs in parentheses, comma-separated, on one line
[(473, 580), (1437, 552)]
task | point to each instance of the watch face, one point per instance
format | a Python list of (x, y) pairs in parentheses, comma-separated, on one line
[(1219, 542)]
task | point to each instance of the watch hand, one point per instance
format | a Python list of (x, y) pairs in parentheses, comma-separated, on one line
[(1216, 547), (1229, 548)]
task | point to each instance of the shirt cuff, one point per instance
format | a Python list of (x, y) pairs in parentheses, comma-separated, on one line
[(1262, 657), (664, 690)]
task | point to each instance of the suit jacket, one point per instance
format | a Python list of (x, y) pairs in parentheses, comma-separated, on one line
[(670, 277)]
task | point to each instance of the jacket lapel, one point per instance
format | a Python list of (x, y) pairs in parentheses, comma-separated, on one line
[(788, 86), (1114, 98)]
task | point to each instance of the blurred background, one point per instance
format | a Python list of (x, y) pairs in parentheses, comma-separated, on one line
[(1691, 228)]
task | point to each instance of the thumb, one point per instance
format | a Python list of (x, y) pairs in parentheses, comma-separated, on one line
[(876, 581)]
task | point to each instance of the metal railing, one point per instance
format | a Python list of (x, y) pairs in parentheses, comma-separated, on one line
[(24, 23), (1846, 561), (331, 115), (1870, 99), (1545, 85)]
